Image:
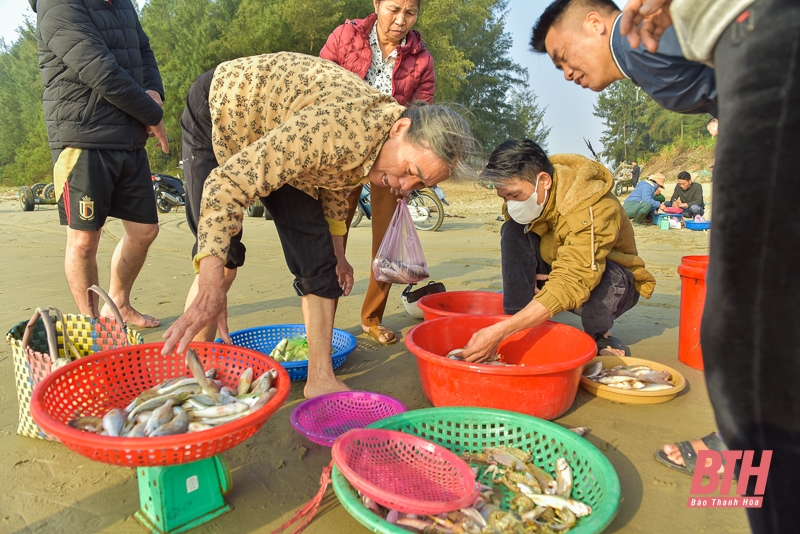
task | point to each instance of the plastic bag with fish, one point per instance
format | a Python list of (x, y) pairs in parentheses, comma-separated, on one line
[(400, 259)]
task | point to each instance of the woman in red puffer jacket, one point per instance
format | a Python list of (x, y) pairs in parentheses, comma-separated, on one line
[(390, 56)]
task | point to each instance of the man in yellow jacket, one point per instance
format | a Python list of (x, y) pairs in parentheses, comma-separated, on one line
[(568, 245)]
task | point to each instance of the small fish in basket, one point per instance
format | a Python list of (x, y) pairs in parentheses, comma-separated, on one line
[(181, 404), (638, 377)]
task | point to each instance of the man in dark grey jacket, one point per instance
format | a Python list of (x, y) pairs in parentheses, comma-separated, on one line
[(102, 99), (583, 39)]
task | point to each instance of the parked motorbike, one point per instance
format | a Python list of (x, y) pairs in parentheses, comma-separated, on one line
[(426, 207), (170, 192)]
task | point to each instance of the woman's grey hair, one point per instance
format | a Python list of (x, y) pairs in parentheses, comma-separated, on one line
[(443, 131)]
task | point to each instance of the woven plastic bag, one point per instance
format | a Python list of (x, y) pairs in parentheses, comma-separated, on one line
[(400, 259), (41, 345)]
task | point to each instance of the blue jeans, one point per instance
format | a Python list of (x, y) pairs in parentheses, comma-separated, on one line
[(751, 325), (521, 262)]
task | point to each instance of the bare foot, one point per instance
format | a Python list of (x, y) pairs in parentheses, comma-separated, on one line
[(132, 317), (674, 454), (321, 388)]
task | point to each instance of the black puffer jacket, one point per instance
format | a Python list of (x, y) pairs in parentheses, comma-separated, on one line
[(96, 65)]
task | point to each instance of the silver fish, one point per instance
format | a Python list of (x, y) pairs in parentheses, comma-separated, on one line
[(220, 411), (176, 384), (161, 416), (137, 431), (178, 425), (178, 396), (245, 380), (88, 424), (563, 478), (199, 427), (593, 370), (264, 399), (194, 365), (654, 377), (113, 422), (615, 379)]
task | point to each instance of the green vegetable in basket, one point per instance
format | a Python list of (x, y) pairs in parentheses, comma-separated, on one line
[(297, 349), (279, 352)]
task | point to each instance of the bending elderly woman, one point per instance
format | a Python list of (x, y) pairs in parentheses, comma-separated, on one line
[(299, 132)]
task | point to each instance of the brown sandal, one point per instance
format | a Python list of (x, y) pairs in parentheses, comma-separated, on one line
[(376, 331)]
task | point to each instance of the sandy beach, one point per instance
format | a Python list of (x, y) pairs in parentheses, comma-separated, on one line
[(48, 488)]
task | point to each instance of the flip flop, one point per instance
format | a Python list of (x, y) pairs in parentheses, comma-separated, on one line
[(610, 342), (377, 330), (689, 454)]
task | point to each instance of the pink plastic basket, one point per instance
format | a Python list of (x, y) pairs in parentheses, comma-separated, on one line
[(404, 472), (325, 418)]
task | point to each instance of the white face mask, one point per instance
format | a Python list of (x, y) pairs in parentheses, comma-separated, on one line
[(526, 211)]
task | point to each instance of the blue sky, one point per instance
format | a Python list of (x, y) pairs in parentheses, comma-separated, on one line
[(569, 108)]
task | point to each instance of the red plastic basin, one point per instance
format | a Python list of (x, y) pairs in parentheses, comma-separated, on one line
[(553, 354), (460, 303)]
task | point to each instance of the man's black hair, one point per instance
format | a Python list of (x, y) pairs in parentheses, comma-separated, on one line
[(521, 158), (683, 175), (554, 13)]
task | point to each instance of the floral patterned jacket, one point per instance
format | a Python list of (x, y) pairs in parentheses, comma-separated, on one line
[(288, 119)]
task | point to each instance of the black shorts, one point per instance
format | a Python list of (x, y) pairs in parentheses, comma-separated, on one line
[(92, 185), (298, 217)]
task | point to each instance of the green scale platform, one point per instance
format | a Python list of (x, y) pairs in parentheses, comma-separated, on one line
[(177, 498)]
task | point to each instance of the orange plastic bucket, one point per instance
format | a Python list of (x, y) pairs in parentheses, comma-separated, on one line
[(545, 387), (693, 297), (459, 303)]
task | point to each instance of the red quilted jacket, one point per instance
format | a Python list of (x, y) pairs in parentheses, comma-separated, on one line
[(413, 77)]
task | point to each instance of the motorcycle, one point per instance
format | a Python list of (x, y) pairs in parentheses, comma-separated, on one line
[(170, 192), (426, 207)]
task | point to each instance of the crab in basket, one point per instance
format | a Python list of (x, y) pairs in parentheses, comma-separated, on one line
[(517, 497)]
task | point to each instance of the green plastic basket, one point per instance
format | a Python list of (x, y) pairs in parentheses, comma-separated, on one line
[(471, 429)]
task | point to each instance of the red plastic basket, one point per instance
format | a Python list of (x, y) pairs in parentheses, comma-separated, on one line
[(404, 472), (110, 379), (553, 355), (460, 303), (325, 418)]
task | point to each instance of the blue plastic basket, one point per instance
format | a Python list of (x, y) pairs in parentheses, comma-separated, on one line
[(691, 225), (265, 338)]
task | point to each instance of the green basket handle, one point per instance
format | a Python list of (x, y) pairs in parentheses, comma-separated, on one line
[(117, 315)]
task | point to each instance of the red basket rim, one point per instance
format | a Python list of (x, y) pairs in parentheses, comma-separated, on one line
[(511, 370), (398, 502), (88, 440), (422, 302)]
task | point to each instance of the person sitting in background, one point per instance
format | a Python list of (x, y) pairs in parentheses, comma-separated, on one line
[(688, 195), (398, 65), (641, 201), (566, 245)]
